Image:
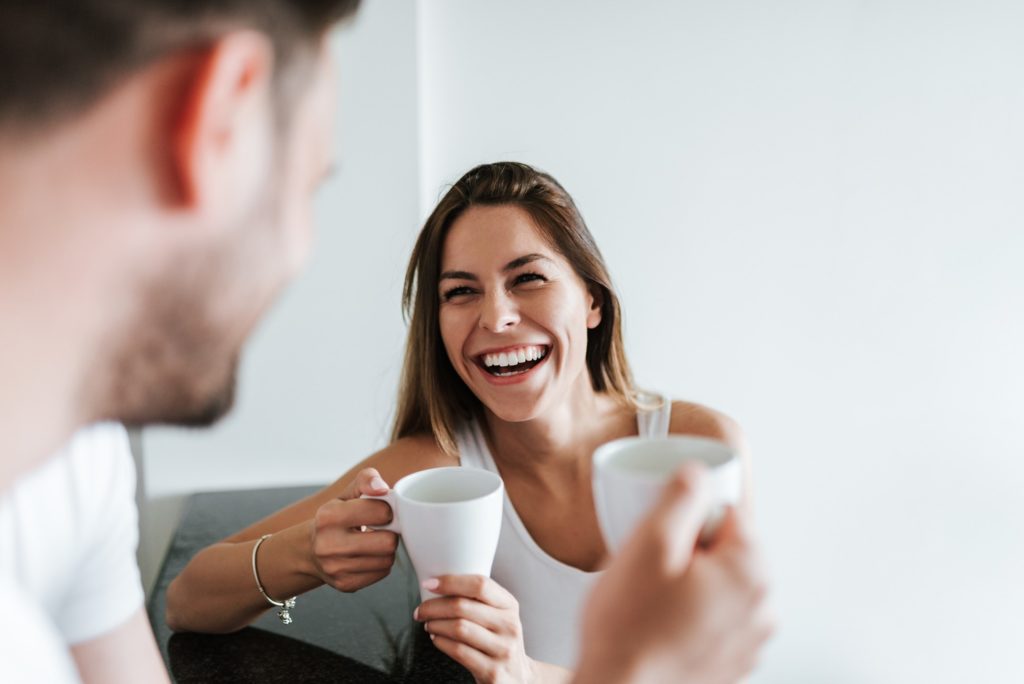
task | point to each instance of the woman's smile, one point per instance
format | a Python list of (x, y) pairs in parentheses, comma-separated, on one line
[(511, 365)]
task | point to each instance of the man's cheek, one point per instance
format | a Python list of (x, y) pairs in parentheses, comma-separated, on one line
[(298, 239)]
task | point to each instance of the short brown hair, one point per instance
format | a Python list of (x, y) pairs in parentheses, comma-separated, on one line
[(432, 398), (60, 56)]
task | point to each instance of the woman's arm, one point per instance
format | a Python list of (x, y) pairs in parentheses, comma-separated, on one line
[(315, 541)]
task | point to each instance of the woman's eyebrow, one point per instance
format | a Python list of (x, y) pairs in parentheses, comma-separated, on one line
[(510, 266), (522, 261), (457, 275)]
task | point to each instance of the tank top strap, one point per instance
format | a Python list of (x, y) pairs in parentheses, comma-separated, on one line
[(654, 421)]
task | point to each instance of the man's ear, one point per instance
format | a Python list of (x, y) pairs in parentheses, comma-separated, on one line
[(220, 142), (596, 303)]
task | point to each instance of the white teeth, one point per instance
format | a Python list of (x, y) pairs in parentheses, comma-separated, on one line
[(514, 357)]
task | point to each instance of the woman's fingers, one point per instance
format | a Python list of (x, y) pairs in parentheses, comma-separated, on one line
[(350, 543), (340, 514), (367, 481), (476, 587), (353, 581), (479, 665), (497, 620), (472, 635), (343, 564), (481, 601)]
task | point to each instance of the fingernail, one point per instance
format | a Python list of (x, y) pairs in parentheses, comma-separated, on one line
[(416, 613), (378, 482), (431, 637), (431, 584)]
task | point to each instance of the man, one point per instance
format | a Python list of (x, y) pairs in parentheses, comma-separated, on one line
[(157, 160)]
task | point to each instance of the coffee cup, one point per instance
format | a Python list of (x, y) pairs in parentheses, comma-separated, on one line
[(449, 520), (629, 474)]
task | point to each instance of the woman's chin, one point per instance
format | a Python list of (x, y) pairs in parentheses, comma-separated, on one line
[(517, 410)]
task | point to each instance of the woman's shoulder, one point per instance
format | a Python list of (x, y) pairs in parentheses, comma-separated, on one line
[(691, 418), (412, 453)]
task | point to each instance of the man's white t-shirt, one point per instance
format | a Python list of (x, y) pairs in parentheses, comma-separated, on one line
[(68, 534), (31, 650)]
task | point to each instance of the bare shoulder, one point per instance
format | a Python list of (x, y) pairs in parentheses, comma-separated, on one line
[(409, 455), (689, 418), (398, 459)]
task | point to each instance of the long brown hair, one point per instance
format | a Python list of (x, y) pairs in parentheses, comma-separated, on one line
[(432, 398)]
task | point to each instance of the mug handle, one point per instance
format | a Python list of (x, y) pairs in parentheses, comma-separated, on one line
[(391, 499)]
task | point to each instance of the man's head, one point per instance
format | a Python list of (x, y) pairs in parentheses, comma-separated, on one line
[(160, 157)]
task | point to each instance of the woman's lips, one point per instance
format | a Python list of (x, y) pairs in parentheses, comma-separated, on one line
[(512, 365)]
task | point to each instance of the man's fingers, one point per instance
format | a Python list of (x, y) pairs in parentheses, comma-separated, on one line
[(671, 529), (368, 481), (731, 529)]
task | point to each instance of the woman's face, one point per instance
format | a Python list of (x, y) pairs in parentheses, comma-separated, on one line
[(514, 314)]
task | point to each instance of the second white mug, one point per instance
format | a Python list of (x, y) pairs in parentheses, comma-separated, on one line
[(629, 474)]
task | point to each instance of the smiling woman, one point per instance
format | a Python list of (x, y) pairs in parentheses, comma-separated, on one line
[(525, 222), (514, 364)]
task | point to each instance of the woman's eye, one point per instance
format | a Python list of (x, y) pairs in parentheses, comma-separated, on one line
[(529, 277), (456, 292)]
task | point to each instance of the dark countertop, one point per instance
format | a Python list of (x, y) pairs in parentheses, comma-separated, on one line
[(368, 636)]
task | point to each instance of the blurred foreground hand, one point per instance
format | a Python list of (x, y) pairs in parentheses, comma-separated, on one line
[(668, 610)]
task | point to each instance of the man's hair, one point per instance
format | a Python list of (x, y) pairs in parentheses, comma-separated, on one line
[(58, 57)]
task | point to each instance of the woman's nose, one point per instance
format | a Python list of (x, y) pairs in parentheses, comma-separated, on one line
[(499, 312)]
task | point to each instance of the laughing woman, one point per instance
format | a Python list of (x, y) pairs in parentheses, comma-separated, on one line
[(514, 363)]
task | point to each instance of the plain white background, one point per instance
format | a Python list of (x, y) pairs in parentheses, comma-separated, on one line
[(813, 212)]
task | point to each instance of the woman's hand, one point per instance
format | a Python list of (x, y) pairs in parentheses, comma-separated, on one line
[(476, 622), (346, 555)]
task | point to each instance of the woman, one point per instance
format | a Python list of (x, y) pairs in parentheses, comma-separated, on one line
[(514, 363)]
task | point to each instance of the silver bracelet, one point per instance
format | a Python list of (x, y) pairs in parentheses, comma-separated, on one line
[(282, 606)]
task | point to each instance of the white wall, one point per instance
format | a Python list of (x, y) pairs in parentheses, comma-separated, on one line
[(813, 213)]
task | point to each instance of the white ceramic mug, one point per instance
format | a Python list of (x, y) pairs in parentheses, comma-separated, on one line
[(629, 474), (449, 519)]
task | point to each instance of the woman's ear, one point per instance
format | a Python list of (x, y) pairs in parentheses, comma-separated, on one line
[(596, 305)]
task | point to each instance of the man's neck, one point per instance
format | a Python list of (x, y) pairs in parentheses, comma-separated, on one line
[(46, 332), (36, 401)]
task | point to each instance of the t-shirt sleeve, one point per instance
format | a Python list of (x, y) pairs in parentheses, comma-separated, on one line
[(107, 589), (31, 649)]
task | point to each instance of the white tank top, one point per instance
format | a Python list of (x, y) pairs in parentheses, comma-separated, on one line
[(550, 593)]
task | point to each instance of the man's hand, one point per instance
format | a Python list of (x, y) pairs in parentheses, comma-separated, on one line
[(669, 611)]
